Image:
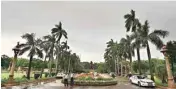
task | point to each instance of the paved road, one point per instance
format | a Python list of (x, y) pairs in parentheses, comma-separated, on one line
[(58, 85)]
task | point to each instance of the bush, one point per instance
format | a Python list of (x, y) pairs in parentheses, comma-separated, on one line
[(19, 80), (113, 75), (46, 74)]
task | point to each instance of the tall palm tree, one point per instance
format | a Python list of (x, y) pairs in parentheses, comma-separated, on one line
[(137, 45), (45, 48), (127, 43), (132, 23), (58, 32), (154, 37), (51, 41), (33, 48)]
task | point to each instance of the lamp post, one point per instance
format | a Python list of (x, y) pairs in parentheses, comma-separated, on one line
[(171, 85), (11, 81)]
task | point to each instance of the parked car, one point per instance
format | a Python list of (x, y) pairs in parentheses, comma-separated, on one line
[(141, 81), (60, 75)]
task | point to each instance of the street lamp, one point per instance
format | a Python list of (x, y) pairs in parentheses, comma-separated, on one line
[(171, 85), (11, 81)]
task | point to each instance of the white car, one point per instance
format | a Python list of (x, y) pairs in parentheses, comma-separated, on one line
[(141, 81), (60, 75)]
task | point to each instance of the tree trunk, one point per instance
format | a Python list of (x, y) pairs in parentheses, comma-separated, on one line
[(125, 70), (57, 60), (69, 64), (121, 69), (10, 65), (50, 66), (163, 79), (130, 62), (115, 68), (149, 58), (43, 67), (139, 61), (29, 67)]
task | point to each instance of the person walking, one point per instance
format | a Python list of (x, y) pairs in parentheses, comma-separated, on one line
[(66, 80), (71, 80)]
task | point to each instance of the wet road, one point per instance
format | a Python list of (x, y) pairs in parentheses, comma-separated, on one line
[(58, 85)]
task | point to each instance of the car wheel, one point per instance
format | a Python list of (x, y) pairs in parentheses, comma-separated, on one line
[(139, 84)]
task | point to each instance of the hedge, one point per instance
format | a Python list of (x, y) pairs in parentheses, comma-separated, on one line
[(94, 82)]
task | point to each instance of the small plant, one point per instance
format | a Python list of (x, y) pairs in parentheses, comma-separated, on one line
[(46, 75), (113, 75)]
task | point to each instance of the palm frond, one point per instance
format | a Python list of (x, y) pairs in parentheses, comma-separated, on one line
[(23, 50), (31, 52), (153, 38), (127, 16), (29, 37), (22, 45), (161, 33), (133, 13), (39, 53)]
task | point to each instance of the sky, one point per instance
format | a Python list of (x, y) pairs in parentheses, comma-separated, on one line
[(89, 24)]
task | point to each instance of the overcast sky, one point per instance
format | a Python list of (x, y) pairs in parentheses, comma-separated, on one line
[(89, 24)]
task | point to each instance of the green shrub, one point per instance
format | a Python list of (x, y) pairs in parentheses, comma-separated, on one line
[(4, 80), (113, 75), (46, 74)]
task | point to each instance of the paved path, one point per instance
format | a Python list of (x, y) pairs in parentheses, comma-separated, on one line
[(59, 85)]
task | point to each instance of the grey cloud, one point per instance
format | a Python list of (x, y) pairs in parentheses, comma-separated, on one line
[(89, 24)]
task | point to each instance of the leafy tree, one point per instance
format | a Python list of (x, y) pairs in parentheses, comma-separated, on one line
[(128, 48), (22, 62), (161, 72), (171, 46), (32, 47), (5, 61)]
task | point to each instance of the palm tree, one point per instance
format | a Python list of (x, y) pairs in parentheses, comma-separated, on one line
[(133, 23), (58, 32), (154, 37), (45, 48), (127, 43), (51, 41), (33, 48)]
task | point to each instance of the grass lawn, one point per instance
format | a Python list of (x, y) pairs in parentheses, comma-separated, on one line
[(5, 75), (16, 75), (158, 81)]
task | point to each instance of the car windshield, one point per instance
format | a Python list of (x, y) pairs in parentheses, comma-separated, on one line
[(140, 77)]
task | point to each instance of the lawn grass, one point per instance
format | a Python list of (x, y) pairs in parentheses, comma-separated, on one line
[(5, 75), (158, 82)]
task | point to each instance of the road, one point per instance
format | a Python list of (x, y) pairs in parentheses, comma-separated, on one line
[(58, 85)]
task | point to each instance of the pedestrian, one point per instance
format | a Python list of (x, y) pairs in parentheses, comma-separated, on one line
[(71, 80), (66, 80)]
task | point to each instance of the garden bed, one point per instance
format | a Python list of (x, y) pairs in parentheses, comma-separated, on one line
[(94, 82)]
